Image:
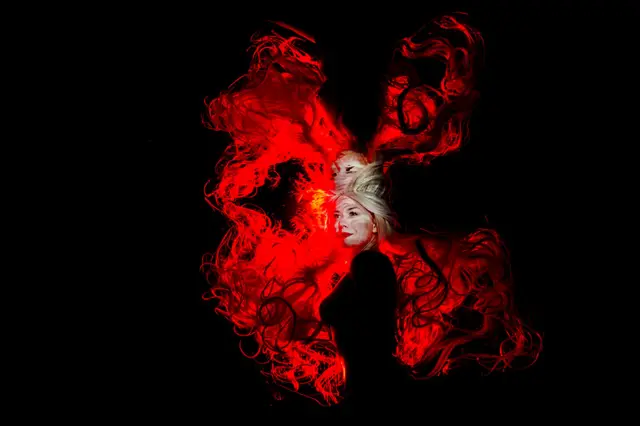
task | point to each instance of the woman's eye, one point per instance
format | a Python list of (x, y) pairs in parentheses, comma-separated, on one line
[(353, 213)]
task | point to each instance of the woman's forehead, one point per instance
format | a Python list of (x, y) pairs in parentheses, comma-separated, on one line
[(345, 202)]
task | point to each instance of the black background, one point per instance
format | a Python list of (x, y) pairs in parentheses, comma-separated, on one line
[(174, 353)]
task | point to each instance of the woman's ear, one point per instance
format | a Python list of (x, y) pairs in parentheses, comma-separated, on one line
[(375, 228)]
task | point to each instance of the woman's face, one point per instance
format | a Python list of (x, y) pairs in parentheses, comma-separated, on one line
[(345, 168), (354, 222)]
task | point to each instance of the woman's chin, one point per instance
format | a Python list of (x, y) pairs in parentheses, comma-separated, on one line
[(348, 242), (354, 245)]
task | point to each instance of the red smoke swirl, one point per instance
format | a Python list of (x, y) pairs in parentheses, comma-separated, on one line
[(419, 121), (269, 281)]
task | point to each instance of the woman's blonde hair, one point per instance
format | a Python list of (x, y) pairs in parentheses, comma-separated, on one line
[(368, 188)]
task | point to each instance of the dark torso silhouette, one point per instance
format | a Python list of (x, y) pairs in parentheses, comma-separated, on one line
[(362, 314)]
